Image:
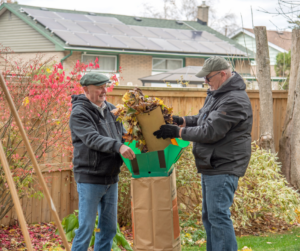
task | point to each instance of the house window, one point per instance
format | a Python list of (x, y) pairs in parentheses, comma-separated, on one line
[(166, 64), (106, 63)]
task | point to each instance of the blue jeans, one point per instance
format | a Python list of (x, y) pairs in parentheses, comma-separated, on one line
[(218, 192), (93, 197)]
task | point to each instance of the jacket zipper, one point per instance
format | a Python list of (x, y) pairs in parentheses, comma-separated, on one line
[(111, 135)]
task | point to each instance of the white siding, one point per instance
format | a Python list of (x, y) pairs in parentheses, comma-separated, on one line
[(249, 42), (20, 37)]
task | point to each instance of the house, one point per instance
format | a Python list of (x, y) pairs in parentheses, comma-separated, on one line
[(279, 41), (140, 46)]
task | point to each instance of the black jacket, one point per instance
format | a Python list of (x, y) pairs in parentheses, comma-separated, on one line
[(221, 132), (96, 141)]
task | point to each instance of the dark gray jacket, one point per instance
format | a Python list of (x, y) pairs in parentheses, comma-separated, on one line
[(221, 132), (96, 141)]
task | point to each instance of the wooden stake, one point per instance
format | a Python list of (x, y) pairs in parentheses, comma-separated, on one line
[(15, 197), (34, 162)]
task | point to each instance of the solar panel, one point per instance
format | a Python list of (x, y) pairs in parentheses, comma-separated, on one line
[(176, 33), (111, 41), (148, 44), (230, 48), (70, 38), (109, 29), (126, 30), (90, 39), (40, 13), (182, 46), (161, 33), (211, 37), (91, 27), (130, 43), (215, 48), (74, 17), (144, 31), (195, 35), (71, 26), (198, 46), (108, 20), (51, 23), (165, 44)]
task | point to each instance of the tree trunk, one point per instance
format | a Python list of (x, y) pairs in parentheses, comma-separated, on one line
[(263, 76), (289, 147)]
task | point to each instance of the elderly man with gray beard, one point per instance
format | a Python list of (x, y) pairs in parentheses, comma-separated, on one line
[(221, 136)]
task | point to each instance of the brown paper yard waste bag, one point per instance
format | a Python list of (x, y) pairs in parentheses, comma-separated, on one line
[(155, 219), (151, 122)]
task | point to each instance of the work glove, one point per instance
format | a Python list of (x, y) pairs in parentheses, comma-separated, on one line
[(177, 120), (167, 131)]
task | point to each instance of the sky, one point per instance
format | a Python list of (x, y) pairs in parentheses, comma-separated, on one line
[(242, 9)]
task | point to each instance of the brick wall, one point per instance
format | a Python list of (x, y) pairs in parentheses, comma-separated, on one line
[(70, 62), (134, 67), (194, 61)]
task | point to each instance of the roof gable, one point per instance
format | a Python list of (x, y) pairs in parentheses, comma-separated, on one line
[(270, 34)]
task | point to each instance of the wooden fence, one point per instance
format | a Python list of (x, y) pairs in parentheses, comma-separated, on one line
[(185, 101)]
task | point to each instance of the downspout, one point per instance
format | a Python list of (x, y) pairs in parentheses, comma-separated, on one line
[(65, 57)]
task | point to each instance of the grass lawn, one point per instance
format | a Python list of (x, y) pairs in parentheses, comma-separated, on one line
[(290, 241)]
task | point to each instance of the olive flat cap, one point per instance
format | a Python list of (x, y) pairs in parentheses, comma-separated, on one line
[(215, 63), (93, 78)]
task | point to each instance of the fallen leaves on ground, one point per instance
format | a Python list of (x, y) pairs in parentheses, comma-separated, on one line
[(42, 237)]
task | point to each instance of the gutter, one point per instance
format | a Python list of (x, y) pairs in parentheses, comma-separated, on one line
[(155, 53), (65, 57)]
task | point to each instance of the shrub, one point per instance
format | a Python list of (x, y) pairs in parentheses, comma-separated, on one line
[(263, 201)]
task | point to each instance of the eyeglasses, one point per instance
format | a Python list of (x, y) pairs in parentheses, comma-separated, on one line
[(207, 79)]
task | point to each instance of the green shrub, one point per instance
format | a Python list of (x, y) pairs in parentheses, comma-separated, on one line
[(70, 223), (263, 201)]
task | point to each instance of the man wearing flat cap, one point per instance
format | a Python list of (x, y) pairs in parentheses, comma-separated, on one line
[(98, 144), (221, 136)]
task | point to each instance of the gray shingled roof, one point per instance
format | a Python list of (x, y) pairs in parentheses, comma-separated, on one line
[(80, 29), (185, 74)]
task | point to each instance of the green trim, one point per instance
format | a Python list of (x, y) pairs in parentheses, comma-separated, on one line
[(65, 57), (183, 63), (153, 54), (118, 63)]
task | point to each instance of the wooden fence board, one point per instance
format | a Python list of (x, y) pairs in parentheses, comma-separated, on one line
[(185, 101)]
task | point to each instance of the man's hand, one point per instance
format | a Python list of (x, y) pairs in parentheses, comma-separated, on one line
[(177, 120), (167, 131), (126, 152)]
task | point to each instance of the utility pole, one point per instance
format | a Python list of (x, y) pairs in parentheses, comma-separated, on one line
[(263, 75)]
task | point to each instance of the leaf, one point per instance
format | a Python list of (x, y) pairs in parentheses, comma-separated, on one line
[(71, 222), (92, 241), (123, 242), (131, 111), (115, 246)]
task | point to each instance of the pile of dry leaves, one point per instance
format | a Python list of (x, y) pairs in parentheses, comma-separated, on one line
[(135, 102)]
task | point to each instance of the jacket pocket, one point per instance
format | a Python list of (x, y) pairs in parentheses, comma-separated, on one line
[(203, 155)]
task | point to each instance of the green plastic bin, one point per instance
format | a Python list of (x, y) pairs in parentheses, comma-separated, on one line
[(157, 163)]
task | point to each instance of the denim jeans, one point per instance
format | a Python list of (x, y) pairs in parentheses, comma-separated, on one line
[(93, 197), (218, 192)]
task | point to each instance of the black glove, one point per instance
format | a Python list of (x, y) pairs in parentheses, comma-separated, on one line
[(167, 131), (177, 120)]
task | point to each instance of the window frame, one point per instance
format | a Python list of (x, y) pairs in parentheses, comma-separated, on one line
[(101, 55), (165, 70)]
